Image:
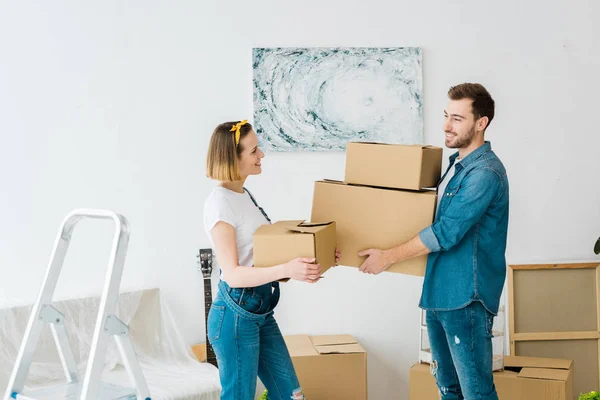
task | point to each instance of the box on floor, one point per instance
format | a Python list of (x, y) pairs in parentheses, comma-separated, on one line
[(330, 367), (524, 378)]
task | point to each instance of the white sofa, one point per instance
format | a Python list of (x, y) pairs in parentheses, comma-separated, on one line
[(170, 368)]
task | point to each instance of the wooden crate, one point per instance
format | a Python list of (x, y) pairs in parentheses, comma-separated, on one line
[(554, 312)]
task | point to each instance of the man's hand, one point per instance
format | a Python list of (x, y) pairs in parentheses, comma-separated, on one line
[(376, 262)]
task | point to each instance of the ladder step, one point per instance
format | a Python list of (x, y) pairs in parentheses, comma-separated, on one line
[(70, 391)]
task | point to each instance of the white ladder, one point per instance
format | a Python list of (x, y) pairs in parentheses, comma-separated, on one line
[(107, 324)]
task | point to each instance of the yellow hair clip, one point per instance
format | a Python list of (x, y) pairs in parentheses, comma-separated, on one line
[(236, 128)]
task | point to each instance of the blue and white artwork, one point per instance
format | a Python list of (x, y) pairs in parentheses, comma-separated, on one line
[(319, 99)]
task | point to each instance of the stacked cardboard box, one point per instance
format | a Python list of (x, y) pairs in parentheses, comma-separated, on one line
[(382, 202)]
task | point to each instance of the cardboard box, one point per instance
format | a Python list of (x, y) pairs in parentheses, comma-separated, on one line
[(332, 367), (283, 241), (524, 378), (369, 217), (393, 165), (199, 351)]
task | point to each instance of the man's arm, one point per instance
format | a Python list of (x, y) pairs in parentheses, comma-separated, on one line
[(478, 191), (379, 260)]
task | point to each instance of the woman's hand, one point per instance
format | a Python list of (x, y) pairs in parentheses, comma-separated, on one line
[(303, 269)]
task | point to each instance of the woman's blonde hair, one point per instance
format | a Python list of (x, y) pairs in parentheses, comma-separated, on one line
[(224, 151)]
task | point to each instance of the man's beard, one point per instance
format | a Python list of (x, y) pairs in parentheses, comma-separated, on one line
[(465, 141)]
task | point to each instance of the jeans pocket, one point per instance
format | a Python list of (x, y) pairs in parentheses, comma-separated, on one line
[(214, 323), (251, 302)]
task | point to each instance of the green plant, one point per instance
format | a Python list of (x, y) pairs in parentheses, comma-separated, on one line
[(265, 397), (590, 396)]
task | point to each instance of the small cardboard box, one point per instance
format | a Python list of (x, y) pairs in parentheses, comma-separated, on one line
[(368, 217), (199, 351), (331, 367), (524, 378), (283, 241), (393, 165)]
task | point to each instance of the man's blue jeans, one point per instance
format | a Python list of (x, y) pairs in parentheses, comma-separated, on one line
[(248, 343), (461, 348)]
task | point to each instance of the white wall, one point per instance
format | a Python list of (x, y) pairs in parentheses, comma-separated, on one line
[(110, 104)]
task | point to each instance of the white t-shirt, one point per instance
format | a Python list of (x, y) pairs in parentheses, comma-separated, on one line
[(444, 183), (238, 210)]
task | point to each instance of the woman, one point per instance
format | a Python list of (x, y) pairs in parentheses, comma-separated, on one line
[(241, 327)]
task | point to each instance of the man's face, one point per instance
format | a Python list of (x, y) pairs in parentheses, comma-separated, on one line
[(459, 124)]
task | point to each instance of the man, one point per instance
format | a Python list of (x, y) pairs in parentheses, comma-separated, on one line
[(467, 241)]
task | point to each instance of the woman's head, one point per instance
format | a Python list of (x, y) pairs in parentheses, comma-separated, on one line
[(233, 153)]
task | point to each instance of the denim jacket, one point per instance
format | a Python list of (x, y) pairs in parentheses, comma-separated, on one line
[(468, 237)]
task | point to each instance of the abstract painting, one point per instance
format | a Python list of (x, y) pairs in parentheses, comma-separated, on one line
[(319, 99)]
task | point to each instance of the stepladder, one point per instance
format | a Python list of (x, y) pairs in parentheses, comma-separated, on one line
[(107, 327)]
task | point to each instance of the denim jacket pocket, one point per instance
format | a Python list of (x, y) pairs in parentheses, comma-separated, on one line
[(447, 197), (450, 192)]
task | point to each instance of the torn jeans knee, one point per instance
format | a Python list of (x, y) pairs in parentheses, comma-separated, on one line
[(298, 394), (442, 390), (433, 367)]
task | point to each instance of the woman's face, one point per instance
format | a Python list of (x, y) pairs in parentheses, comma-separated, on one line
[(251, 155)]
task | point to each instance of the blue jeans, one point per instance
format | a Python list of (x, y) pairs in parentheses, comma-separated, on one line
[(248, 343), (461, 348)]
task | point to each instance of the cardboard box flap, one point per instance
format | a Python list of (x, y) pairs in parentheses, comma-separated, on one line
[(300, 345), (544, 373), (276, 228), (424, 146), (366, 143), (535, 362), (340, 349), (374, 187), (310, 224), (335, 181), (336, 344), (421, 146), (326, 340), (309, 227), (296, 226)]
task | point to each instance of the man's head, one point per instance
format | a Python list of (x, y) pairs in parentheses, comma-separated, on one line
[(469, 113)]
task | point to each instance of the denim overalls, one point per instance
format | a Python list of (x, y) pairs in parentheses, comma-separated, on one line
[(248, 343)]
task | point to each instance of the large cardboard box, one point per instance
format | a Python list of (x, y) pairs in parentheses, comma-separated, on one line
[(283, 241), (331, 367), (524, 378), (393, 165), (368, 217)]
